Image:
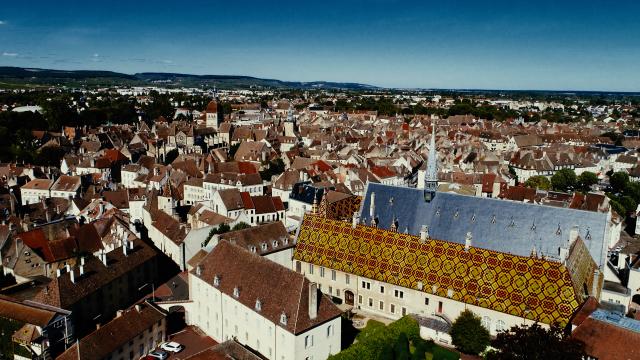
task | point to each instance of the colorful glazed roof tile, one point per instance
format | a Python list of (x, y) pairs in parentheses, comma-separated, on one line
[(528, 287)]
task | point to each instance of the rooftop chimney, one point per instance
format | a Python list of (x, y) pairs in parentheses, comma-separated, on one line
[(595, 287), (125, 247), (372, 205), (467, 241), (354, 220), (313, 300), (103, 257), (424, 234), (573, 234), (72, 275)]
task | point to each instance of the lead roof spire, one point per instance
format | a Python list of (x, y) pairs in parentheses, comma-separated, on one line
[(431, 176)]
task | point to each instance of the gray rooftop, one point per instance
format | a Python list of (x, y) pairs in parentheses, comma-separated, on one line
[(616, 319), (499, 225)]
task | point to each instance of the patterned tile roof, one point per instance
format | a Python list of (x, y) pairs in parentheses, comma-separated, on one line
[(528, 287)]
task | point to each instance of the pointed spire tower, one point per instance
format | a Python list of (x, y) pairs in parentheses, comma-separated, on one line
[(431, 177)]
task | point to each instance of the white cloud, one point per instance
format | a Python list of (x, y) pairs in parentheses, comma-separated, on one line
[(2, 22), (95, 57), (9, 54)]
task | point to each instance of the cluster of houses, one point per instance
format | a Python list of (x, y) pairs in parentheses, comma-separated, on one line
[(281, 221)]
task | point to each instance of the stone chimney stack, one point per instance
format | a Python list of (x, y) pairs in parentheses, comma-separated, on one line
[(354, 220), (372, 206), (313, 301), (467, 241), (72, 276), (595, 287), (424, 234), (573, 234)]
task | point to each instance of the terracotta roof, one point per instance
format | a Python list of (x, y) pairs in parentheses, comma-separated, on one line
[(63, 293), (231, 198), (212, 107), (258, 235), (279, 289), (604, 340), (66, 183), (114, 334), (25, 313), (38, 184), (227, 350), (485, 278)]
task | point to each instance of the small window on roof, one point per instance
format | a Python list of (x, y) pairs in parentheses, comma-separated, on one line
[(263, 246), (493, 219), (216, 280), (258, 305), (236, 292), (283, 319)]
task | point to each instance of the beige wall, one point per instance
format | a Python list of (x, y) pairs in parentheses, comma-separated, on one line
[(222, 317)]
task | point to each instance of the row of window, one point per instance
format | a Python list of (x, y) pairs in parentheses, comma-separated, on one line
[(392, 307), (397, 293)]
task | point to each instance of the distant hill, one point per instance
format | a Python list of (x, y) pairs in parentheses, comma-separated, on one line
[(26, 76)]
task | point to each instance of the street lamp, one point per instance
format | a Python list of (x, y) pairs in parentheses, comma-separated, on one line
[(153, 290)]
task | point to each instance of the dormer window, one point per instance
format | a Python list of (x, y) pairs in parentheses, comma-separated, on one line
[(252, 248), (285, 241), (236, 292), (264, 246), (198, 270), (258, 305), (283, 319), (493, 219), (275, 243), (216, 280)]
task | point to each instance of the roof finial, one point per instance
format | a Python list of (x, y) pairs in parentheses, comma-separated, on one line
[(314, 207)]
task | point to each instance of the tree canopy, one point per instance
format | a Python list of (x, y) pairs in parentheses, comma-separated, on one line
[(468, 335), (536, 343), (564, 180), (538, 182), (586, 180)]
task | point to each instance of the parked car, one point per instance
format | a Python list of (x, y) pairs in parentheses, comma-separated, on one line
[(171, 346), (157, 355)]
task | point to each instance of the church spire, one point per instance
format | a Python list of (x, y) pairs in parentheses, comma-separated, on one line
[(431, 176), (290, 113)]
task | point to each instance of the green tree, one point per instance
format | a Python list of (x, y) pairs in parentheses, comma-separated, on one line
[(401, 348), (538, 182), (564, 180), (171, 156), (535, 342), (468, 335), (239, 226), (233, 149), (619, 181), (586, 180)]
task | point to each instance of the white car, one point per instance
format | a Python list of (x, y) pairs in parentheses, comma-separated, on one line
[(171, 346)]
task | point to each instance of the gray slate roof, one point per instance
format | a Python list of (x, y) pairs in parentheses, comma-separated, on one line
[(499, 225)]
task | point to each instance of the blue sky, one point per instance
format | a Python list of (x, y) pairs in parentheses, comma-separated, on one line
[(560, 45)]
